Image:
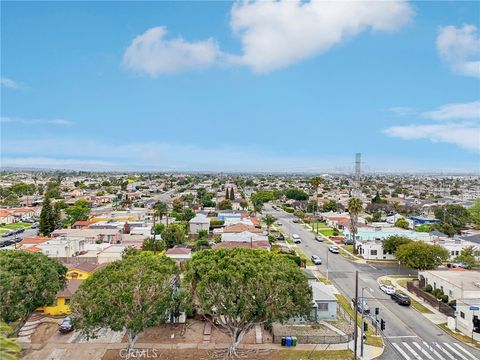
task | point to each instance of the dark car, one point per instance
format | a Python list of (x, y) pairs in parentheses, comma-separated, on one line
[(17, 239), (280, 237), (295, 221), (401, 299), (8, 242), (318, 238), (66, 326)]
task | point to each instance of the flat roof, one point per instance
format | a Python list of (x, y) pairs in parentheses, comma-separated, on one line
[(470, 278)]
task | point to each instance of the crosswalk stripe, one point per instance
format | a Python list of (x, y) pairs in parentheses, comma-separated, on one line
[(455, 351), (433, 350), (400, 350), (465, 351), (418, 357), (444, 351), (423, 350)]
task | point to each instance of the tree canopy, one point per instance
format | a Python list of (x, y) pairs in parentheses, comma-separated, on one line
[(27, 281), (474, 211), (420, 256), (174, 234), (78, 212), (392, 243), (296, 194), (225, 205), (453, 218), (240, 288), (133, 293), (468, 257)]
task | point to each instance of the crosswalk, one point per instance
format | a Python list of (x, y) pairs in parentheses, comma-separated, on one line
[(422, 350)]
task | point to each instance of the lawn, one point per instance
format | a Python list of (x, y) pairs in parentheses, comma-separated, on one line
[(315, 355), (323, 279), (17, 225), (459, 336), (327, 232)]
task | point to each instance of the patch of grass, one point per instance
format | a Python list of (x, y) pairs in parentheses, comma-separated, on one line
[(349, 248), (403, 276), (17, 225), (385, 281), (402, 283), (315, 355), (323, 279), (327, 232), (419, 307), (459, 336)]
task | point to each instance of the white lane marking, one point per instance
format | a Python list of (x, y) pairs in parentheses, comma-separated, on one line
[(455, 351), (402, 336), (412, 351), (465, 351), (444, 351), (401, 351), (423, 350), (433, 350)]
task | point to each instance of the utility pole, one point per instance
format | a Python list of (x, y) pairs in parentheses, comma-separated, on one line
[(355, 330), (327, 262)]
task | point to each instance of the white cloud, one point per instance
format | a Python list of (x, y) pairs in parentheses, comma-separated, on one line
[(402, 111), (460, 49), (151, 53), (11, 84), (60, 122), (275, 34), (463, 135), (465, 111)]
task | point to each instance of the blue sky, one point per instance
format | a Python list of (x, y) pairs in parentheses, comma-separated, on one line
[(221, 86)]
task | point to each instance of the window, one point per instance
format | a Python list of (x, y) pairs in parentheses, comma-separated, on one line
[(322, 306), (457, 252), (373, 252), (462, 314), (67, 301)]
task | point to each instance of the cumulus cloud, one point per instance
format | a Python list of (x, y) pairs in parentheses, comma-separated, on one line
[(465, 111), (60, 122), (11, 84), (152, 54), (457, 124), (462, 135), (275, 34), (460, 49)]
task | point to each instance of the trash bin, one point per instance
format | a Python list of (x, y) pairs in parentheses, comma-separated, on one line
[(289, 341), (294, 341), (284, 341)]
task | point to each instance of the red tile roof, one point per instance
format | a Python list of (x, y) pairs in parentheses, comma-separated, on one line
[(178, 251)]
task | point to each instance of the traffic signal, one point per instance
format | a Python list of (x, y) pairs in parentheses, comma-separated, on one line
[(365, 327), (377, 311), (382, 324)]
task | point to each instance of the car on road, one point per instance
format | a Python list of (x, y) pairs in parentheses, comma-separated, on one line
[(280, 237), (362, 306), (387, 289), (66, 326), (319, 238), (34, 225), (7, 242), (316, 260), (295, 221), (296, 238), (279, 223), (401, 299), (348, 242), (334, 249)]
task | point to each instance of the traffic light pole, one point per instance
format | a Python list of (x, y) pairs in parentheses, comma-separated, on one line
[(355, 330), (363, 326)]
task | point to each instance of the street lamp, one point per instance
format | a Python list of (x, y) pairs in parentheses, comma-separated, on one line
[(362, 326)]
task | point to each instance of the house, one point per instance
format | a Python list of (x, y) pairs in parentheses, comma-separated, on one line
[(62, 247), (258, 244), (179, 254), (81, 271), (110, 254), (82, 224), (198, 223), (6, 217), (112, 236), (241, 227), (467, 317), (61, 305), (373, 250), (244, 236)]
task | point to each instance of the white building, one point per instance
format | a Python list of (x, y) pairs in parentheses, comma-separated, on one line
[(62, 247), (198, 223)]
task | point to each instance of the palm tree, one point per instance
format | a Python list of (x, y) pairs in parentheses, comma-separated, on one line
[(269, 221), (314, 183), (160, 210), (355, 207)]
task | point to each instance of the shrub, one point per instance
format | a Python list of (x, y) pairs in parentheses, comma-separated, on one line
[(452, 302), (438, 293), (335, 232), (216, 223), (445, 299), (289, 209), (271, 239), (428, 288), (202, 234)]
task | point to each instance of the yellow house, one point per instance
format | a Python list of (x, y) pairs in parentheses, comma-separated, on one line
[(62, 301), (76, 273)]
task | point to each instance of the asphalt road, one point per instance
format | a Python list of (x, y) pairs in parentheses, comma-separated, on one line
[(406, 330)]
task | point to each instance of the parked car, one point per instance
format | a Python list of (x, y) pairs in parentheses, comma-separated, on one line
[(401, 299), (8, 242), (279, 223), (362, 306), (280, 237), (334, 249), (17, 239), (348, 241), (387, 289), (66, 326), (319, 238), (296, 238), (7, 234), (34, 226), (316, 260), (295, 220)]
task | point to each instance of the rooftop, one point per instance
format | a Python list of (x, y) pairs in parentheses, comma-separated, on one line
[(470, 279)]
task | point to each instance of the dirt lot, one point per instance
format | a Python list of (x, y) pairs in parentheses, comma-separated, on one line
[(44, 332)]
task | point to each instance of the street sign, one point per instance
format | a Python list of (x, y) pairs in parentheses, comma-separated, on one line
[(474, 308)]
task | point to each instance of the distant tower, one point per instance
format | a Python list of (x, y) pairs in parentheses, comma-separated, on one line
[(358, 160)]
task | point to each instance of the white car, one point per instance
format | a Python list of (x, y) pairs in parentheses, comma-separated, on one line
[(316, 260), (279, 223), (387, 289), (296, 238), (334, 249)]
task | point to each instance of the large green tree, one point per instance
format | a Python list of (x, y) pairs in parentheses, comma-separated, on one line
[(47, 218), (237, 289), (78, 212), (402, 223), (174, 234), (296, 194), (131, 294), (9, 348), (474, 211), (453, 218), (468, 257), (420, 256), (225, 205), (392, 243), (27, 281)]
